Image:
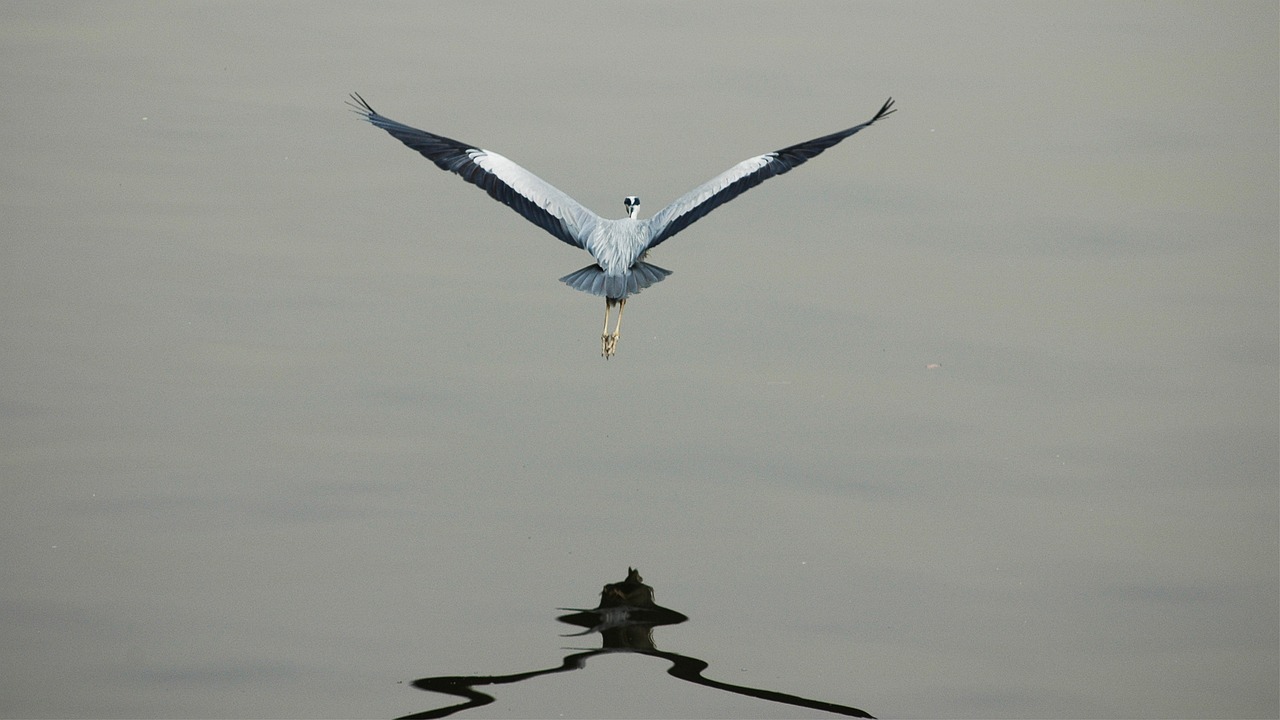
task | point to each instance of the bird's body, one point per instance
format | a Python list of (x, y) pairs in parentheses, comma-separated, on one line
[(617, 245)]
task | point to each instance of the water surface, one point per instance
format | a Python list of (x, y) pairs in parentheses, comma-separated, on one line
[(973, 416)]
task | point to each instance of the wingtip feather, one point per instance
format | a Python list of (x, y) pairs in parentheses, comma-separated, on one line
[(885, 109), (360, 106)]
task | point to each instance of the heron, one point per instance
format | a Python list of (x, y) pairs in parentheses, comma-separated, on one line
[(619, 246)]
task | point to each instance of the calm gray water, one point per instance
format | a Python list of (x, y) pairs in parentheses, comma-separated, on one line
[(291, 419)]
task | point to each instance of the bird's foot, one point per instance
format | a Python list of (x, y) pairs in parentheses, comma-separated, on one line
[(608, 345)]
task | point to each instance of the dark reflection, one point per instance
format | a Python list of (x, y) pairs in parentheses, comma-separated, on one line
[(625, 619)]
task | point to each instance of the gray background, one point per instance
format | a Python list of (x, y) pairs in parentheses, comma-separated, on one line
[(290, 417)]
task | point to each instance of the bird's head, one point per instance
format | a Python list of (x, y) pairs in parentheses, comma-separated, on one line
[(632, 204)]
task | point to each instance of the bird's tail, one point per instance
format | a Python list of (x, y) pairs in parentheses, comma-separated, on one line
[(592, 279)]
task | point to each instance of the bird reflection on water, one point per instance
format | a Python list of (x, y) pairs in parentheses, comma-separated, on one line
[(625, 619)]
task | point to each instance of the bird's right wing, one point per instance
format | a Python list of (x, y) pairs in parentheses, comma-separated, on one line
[(695, 204), (537, 200)]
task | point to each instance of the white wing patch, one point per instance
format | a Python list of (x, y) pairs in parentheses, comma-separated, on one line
[(697, 196), (577, 220)]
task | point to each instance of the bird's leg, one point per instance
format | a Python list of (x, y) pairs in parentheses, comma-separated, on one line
[(617, 328), (606, 347), (609, 342)]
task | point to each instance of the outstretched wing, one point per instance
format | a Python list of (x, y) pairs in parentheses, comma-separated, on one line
[(696, 203), (537, 200)]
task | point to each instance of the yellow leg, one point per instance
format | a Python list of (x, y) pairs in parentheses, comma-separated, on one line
[(618, 327), (609, 343), (605, 349)]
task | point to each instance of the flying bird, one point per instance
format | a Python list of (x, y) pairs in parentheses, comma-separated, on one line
[(618, 246)]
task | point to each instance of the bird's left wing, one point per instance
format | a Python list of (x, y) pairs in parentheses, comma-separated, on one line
[(695, 204), (537, 200)]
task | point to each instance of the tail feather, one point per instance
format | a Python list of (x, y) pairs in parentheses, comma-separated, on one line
[(592, 279)]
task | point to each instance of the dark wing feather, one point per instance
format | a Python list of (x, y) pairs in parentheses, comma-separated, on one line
[(508, 183), (695, 204)]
